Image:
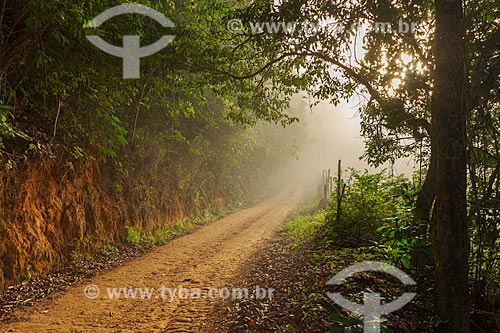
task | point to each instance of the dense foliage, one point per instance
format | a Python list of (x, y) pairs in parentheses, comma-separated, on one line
[(369, 200), (377, 212), (61, 95)]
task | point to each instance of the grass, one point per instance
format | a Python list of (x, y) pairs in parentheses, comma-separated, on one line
[(304, 227), (162, 236), (183, 227), (306, 223)]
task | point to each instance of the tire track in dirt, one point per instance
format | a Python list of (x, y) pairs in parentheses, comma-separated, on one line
[(205, 259)]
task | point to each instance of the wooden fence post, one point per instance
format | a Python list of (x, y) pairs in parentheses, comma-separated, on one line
[(340, 193)]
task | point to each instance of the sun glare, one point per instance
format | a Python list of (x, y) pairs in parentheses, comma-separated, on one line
[(406, 59), (395, 83)]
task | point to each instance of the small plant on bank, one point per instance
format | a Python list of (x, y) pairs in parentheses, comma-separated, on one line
[(133, 235), (29, 274), (107, 250), (76, 258)]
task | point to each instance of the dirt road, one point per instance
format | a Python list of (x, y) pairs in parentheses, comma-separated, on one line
[(200, 263)]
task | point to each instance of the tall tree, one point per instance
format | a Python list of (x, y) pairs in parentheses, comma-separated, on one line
[(451, 244)]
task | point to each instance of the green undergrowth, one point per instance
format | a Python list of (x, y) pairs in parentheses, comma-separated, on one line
[(305, 223), (163, 235), (309, 232)]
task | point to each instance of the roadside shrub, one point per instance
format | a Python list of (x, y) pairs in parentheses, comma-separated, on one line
[(405, 245), (368, 201)]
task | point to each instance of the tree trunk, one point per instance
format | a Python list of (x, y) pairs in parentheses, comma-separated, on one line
[(427, 193), (451, 241)]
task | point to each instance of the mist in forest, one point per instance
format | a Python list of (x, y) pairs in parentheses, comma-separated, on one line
[(328, 133)]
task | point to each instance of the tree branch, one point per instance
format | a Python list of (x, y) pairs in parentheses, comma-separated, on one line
[(409, 119)]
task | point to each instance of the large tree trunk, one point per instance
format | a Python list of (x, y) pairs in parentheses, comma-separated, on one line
[(451, 242)]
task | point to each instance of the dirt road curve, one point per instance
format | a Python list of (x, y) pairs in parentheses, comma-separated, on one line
[(205, 259)]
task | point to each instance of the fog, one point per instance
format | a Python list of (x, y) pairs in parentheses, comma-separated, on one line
[(332, 133)]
